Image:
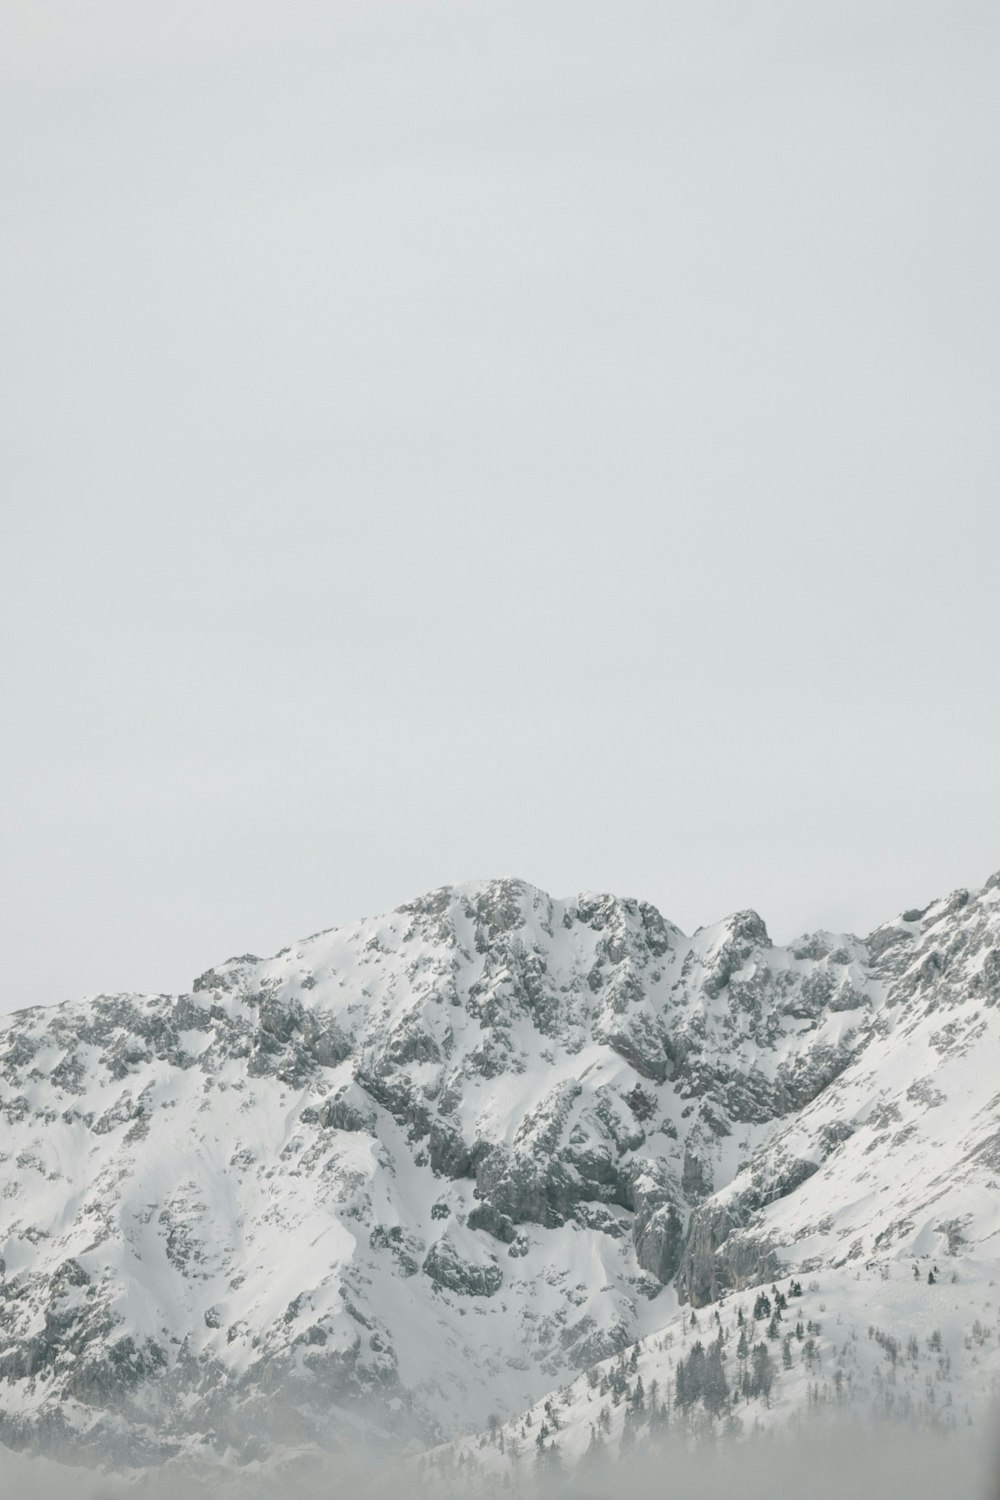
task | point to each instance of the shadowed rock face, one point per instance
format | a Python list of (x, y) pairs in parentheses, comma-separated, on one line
[(720, 1252), (302, 1185)]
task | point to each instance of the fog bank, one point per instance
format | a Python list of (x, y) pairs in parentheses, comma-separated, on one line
[(821, 1463)]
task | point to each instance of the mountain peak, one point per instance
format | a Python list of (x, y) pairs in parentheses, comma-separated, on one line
[(276, 1200)]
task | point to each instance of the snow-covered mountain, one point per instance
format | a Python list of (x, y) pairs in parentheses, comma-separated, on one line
[(418, 1174)]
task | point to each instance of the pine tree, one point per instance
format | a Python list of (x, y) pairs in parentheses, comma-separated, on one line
[(691, 1376), (548, 1459), (595, 1458), (763, 1372), (680, 1392), (762, 1306), (658, 1416), (715, 1387), (628, 1431)]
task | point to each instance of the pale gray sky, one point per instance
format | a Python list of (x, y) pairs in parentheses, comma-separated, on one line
[(451, 440)]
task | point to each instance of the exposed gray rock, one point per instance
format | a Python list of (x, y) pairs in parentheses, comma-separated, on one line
[(445, 1266), (721, 1255), (348, 1110)]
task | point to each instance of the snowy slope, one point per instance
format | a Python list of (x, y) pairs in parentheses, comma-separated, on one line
[(875, 1343), (419, 1172)]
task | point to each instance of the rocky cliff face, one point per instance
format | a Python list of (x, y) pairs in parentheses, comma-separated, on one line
[(421, 1170)]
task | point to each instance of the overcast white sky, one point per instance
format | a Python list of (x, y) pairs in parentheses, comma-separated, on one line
[(452, 440)]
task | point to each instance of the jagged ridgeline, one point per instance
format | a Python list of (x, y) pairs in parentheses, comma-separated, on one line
[(409, 1176)]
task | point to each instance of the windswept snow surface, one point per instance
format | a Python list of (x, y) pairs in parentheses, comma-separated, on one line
[(410, 1177)]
